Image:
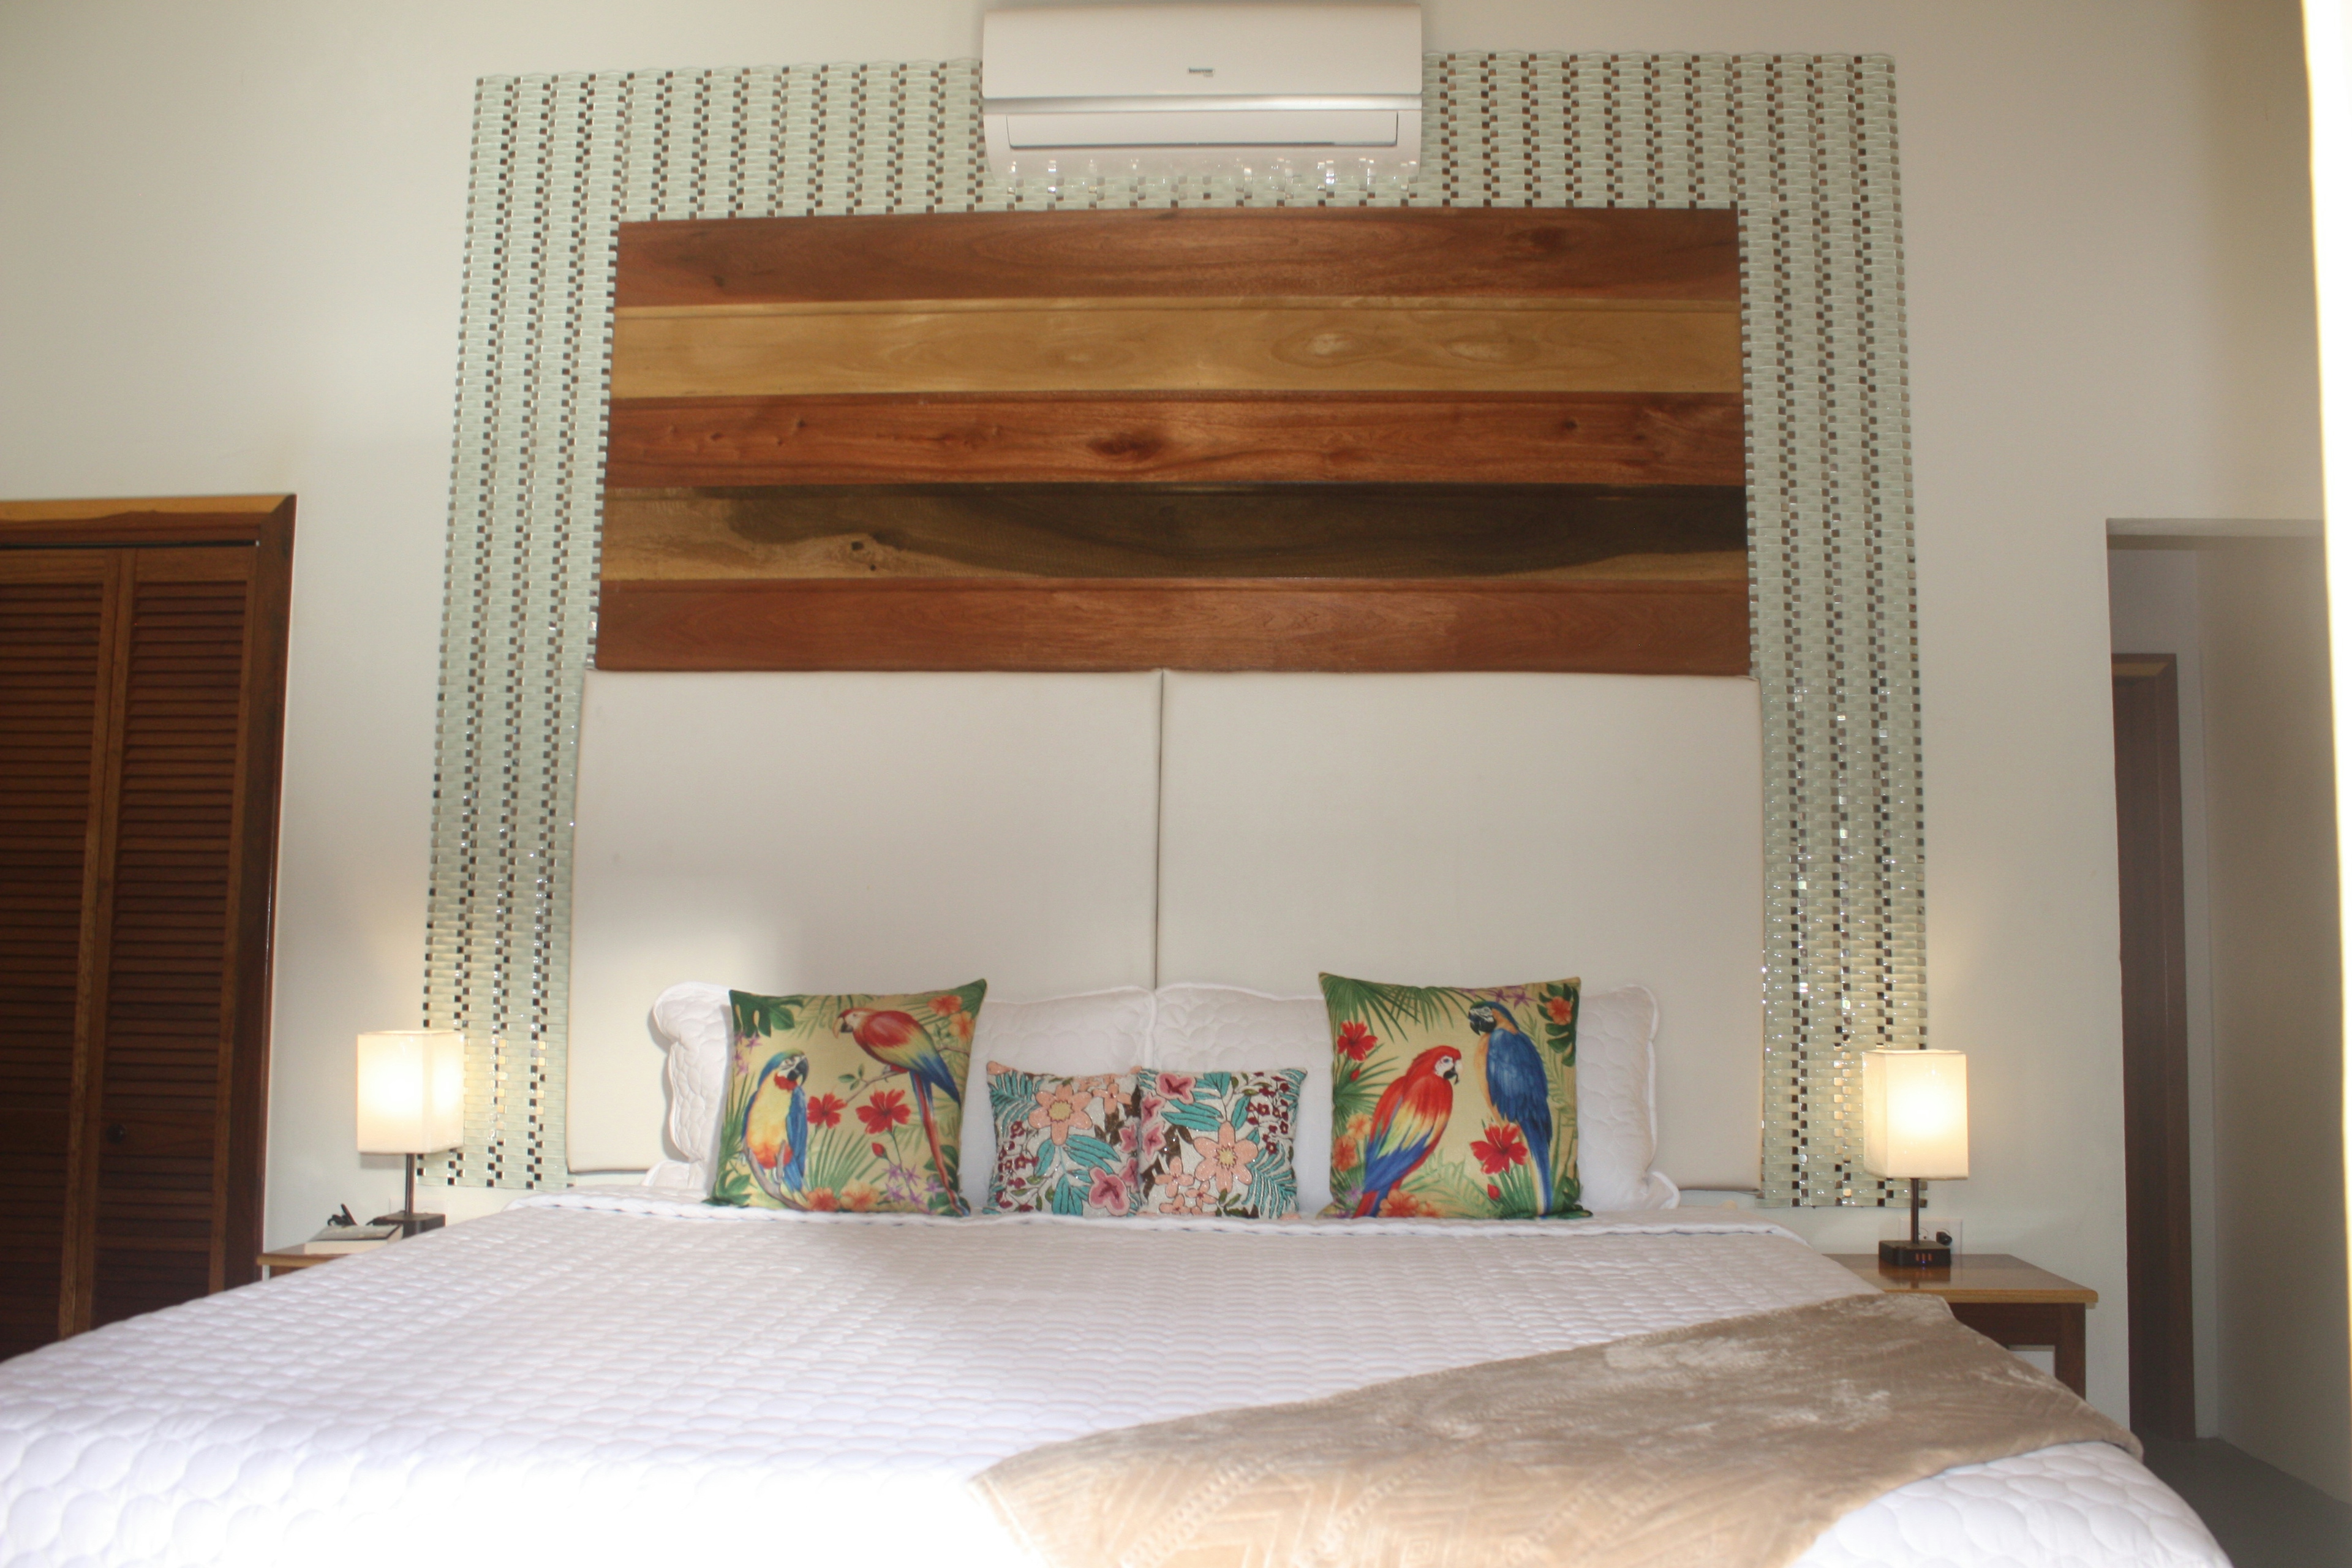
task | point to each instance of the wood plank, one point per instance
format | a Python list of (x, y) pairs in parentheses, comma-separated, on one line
[(2151, 900), (1602, 438), (1590, 253), (52, 657), (1682, 628), (877, 531), (252, 508), (1271, 344)]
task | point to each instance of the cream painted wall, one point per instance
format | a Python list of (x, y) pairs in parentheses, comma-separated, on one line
[(231, 263), (2277, 1009)]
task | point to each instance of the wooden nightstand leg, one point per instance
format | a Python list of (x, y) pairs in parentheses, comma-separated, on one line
[(2073, 1365)]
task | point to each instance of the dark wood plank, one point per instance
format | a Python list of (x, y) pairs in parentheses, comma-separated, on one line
[(52, 689), (1581, 253), (2154, 952), (875, 531), (1599, 439), (1683, 628), (159, 1102), (2059, 1325)]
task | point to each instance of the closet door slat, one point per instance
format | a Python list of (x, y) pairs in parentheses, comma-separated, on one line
[(52, 670)]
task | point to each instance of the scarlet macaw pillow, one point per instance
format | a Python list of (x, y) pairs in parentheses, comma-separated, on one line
[(1063, 1145), (1453, 1103), (847, 1103), (1217, 1142)]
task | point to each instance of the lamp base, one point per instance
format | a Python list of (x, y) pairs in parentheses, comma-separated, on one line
[(1914, 1255), (410, 1223)]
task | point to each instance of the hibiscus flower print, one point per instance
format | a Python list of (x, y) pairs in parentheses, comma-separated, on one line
[(945, 1006), (1356, 1040), (1112, 1191), (887, 1110), (1061, 1110), (824, 1111), (1345, 1155), (1226, 1160), (1151, 1143), (823, 1200), (1562, 1008), (1404, 1205), (858, 1197), (1501, 1149)]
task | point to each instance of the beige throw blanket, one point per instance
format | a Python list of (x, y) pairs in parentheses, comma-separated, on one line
[(1733, 1444)]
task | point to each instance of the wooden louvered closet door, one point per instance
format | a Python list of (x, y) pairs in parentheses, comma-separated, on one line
[(141, 695)]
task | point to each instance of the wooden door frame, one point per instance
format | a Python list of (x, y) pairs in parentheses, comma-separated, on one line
[(264, 523), (2153, 953)]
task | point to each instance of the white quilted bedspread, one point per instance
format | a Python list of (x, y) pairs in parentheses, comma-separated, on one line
[(608, 1379)]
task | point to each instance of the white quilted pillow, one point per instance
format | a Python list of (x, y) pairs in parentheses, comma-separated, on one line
[(1617, 1104), (691, 1021), (1098, 1031), (1215, 1029)]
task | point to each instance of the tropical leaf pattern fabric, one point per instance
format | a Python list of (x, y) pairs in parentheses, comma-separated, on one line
[(1063, 1145), (1217, 1143), (1453, 1102), (850, 1102)]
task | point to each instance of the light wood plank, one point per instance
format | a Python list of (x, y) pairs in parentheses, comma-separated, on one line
[(169, 506), (1177, 345)]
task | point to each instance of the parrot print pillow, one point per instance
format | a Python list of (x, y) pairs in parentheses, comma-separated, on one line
[(1453, 1104), (1217, 1142), (1063, 1145), (847, 1103)]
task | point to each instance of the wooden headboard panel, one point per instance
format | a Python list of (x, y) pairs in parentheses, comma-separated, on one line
[(1400, 439)]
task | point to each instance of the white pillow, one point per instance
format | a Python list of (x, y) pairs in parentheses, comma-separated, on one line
[(1617, 1104), (1218, 1028), (1223, 1028), (691, 1021), (1098, 1031)]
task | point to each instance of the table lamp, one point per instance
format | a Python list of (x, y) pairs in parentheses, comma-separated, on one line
[(411, 1101), (1914, 1123)]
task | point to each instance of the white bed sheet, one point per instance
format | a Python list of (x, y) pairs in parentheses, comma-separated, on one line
[(612, 1377)]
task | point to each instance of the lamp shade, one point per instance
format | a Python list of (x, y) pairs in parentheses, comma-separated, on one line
[(412, 1090), (1915, 1114)]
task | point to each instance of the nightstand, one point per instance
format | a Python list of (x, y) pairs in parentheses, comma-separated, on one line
[(2005, 1299), (273, 1262)]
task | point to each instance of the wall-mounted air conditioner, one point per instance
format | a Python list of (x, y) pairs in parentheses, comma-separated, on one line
[(1327, 92)]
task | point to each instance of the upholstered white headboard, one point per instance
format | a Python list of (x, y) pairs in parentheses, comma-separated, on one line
[(1060, 832)]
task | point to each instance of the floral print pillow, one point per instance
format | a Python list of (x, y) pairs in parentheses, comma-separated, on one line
[(1217, 1142), (1063, 1145), (1453, 1103), (847, 1103)]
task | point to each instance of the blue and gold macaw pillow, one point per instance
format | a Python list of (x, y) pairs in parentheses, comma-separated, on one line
[(1453, 1103), (847, 1103)]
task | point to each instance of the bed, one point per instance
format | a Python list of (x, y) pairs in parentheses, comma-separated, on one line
[(628, 1376), (622, 1374)]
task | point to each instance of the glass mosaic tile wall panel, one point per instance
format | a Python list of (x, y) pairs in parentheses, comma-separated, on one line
[(1803, 146)]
